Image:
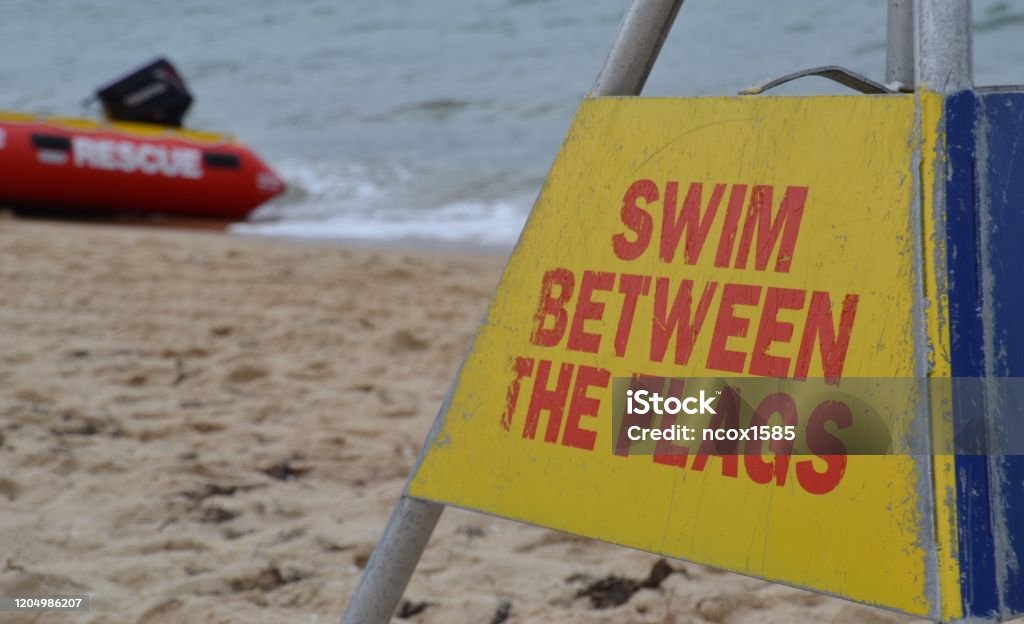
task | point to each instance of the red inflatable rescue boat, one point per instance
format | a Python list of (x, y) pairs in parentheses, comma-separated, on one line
[(133, 168), (140, 164)]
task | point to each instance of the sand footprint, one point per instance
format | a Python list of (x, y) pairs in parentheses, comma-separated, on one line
[(246, 373), (9, 489)]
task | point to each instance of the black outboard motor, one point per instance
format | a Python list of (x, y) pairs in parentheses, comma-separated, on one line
[(153, 93)]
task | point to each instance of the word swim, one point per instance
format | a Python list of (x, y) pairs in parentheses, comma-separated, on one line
[(637, 403), (129, 157), (686, 225), (742, 328)]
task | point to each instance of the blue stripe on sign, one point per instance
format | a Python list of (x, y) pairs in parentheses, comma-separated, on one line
[(977, 560), (1002, 200)]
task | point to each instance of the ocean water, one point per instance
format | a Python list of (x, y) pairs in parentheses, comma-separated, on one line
[(429, 119)]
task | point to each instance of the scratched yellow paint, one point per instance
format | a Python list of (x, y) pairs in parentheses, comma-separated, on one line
[(933, 149), (868, 539)]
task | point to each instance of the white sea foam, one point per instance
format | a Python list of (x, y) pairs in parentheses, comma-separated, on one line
[(355, 202)]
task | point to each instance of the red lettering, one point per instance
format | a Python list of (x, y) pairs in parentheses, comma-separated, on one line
[(523, 367), (729, 325), (826, 446), (833, 344), (732, 220), (631, 287), (759, 470), (636, 219), (552, 401), (588, 310), (553, 306), (678, 321), (786, 224), (772, 330), (582, 405), (688, 219)]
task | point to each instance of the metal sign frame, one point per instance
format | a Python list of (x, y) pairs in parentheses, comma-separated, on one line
[(928, 46)]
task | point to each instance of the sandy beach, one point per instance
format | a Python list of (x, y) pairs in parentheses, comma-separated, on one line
[(197, 427)]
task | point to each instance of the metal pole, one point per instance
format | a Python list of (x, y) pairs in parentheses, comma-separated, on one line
[(943, 48), (899, 45), (636, 47), (393, 561)]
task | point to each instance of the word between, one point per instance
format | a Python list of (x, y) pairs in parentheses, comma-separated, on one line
[(584, 311)]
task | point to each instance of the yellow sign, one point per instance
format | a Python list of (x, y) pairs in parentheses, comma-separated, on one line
[(721, 239)]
